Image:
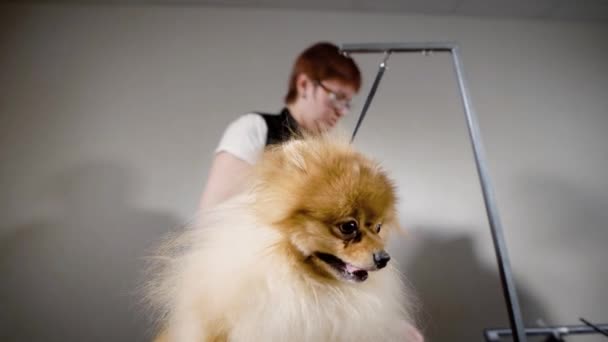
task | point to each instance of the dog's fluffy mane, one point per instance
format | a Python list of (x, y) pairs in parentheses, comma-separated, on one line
[(230, 276)]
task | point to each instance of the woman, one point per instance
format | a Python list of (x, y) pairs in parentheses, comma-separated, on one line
[(321, 86)]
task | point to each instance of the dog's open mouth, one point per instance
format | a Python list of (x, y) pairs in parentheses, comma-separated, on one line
[(346, 270)]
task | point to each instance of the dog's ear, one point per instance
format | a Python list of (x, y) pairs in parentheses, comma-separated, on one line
[(293, 155), (303, 153), (397, 228), (281, 160)]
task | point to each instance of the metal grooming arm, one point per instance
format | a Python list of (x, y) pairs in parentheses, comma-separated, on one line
[(372, 92), (519, 334), (555, 334)]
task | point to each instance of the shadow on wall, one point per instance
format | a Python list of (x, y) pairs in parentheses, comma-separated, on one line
[(576, 213), (573, 211), (459, 296), (73, 278)]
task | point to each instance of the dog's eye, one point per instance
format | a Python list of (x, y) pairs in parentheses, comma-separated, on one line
[(378, 227), (348, 227)]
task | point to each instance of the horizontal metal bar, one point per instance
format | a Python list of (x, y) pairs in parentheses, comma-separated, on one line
[(397, 47), (595, 327), (495, 334)]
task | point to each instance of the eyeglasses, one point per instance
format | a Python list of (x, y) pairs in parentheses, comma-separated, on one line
[(338, 100)]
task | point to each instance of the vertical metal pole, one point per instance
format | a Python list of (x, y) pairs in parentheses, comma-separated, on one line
[(519, 334)]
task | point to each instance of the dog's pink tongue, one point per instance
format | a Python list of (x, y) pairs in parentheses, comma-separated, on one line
[(352, 269), (359, 274)]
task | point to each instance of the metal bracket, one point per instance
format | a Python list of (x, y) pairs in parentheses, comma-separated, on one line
[(504, 265)]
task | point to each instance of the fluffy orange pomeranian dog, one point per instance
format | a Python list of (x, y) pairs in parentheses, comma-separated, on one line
[(299, 256)]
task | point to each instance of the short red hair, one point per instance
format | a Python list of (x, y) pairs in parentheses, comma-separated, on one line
[(323, 61)]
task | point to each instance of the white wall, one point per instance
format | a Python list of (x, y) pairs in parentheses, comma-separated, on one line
[(109, 115)]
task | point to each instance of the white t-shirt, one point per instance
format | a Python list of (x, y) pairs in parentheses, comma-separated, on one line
[(245, 138)]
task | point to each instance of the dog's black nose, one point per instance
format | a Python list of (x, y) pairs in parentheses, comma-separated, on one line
[(381, 259)]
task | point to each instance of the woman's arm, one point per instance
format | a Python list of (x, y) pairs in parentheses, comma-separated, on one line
[(241, 145), (226, 178)]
